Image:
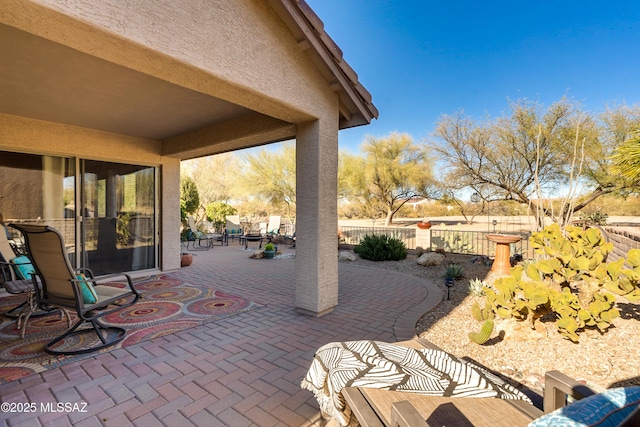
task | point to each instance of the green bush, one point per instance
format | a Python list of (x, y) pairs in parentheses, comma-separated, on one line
[(381, 248), (594, 218)]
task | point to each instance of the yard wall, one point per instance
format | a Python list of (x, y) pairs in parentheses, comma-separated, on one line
[(623, 239)]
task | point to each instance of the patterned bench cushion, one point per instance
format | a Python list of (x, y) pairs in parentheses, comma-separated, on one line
[(606, 409), (393, 367)]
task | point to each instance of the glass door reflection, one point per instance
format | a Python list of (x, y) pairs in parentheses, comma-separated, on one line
[(118, 226)]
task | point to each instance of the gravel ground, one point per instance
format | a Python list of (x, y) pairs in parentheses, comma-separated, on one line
[(517, 351)]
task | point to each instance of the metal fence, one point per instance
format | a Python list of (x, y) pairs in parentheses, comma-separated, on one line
[(476, 243), (352, 235), (287, 229), (453, 241)]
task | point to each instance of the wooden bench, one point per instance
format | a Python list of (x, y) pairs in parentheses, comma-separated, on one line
[(377, 408)]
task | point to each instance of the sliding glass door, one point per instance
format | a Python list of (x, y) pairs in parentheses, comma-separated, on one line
[(107, 217), (118, 227), (39, 189)]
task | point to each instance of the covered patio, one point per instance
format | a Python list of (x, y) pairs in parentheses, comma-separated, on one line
[(242, 370), (150, 84)]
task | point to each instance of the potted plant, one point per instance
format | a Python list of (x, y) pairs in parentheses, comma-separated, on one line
[(269, 251), (186, 259)]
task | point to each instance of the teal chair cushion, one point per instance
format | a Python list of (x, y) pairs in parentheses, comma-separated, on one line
[(89, 295), (606, 409), (23, 267)]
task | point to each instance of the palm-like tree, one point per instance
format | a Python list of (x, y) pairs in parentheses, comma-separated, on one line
[(627, 157)]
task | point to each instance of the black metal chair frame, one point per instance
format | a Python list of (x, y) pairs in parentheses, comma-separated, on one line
[(58, 286)]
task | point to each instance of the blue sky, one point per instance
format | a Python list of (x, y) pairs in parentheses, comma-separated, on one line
[(422, 59)]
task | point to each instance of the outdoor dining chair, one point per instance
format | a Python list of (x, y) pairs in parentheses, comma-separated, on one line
[(15, 277), (59, 285), (200, 236)]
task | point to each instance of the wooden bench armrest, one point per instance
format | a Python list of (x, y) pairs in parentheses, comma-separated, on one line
[(557, 386), (403, 414), (361, 408)]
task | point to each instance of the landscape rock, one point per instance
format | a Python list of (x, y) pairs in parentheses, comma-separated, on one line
[(347, 256), (257, 254), (430, 259)]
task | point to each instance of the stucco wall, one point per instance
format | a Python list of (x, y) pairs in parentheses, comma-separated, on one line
[(317, 224)]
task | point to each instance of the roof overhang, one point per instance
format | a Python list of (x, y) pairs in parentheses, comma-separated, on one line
[(45, 80), (356, 107), (48, 81)]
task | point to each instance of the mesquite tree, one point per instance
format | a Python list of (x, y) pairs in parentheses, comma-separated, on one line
[(533, 154), (393, 171)]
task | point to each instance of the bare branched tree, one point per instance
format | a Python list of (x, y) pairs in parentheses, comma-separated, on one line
[(534, 154), (271, 176)]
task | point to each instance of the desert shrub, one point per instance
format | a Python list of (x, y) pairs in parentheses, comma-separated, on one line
[(381, 248), (594, 218)]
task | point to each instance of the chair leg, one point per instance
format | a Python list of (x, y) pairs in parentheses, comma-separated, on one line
[(101, 330), (65, 312), (12, 313), (23, 327), (29, 307)]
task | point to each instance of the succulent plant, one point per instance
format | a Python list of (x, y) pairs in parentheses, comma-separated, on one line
[(482, 314), (573, 281), (484, 334), (454, 271), (476, 287)]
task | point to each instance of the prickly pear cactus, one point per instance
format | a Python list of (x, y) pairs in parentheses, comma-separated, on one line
[(570, 254), (572, 280), (482, 314)]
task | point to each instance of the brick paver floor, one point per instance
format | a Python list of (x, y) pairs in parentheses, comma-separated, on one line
[(244, 370)]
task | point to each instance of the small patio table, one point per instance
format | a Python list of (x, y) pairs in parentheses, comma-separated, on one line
[(250, 238)]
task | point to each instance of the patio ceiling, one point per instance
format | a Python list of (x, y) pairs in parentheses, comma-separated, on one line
[(44, 80)]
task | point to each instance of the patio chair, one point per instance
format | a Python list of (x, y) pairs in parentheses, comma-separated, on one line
[(272, 228), (16, 273), (200, 236), (233, 228), (60, 286), (194, 235)]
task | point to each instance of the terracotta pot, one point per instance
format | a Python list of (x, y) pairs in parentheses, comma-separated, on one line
[(424, 225), (186, 260)]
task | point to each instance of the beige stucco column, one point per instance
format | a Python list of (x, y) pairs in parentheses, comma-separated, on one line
[(170, 214), (316, 217)]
